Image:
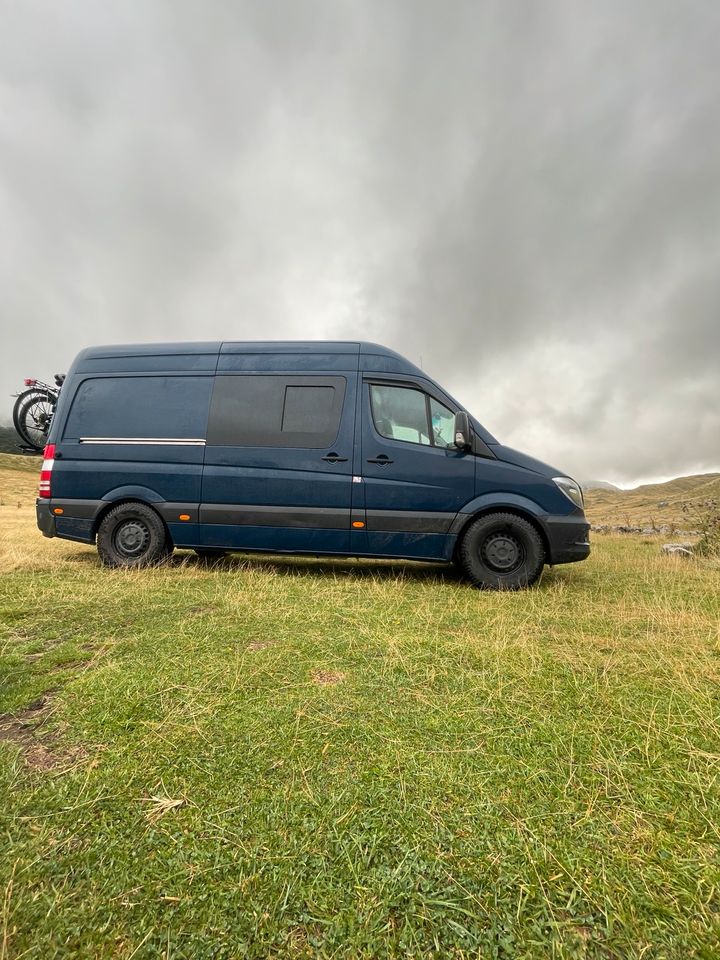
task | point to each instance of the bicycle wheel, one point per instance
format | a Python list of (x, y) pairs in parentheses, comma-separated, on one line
[(34, 418), (20, 400)]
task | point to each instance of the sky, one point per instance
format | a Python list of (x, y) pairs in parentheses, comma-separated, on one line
[(521, 197)]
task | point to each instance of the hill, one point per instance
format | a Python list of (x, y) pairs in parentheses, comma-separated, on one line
[(18, 480), (9, 440), (679, 502), (597, 485)]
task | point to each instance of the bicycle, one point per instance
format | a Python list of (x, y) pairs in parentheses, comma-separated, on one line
[(33, 411)]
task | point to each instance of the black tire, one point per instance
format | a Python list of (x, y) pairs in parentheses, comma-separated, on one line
[(210, 554), (19, 401), (132, 535), (32, 417), (502, 551)]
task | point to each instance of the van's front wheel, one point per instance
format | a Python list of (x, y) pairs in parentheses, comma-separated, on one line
[(132, 535), (502, 551)]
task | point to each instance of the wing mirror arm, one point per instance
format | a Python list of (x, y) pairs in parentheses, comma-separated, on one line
[(463, 431)]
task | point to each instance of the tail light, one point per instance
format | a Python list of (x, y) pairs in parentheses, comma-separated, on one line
[(29, 382), (46, 471)]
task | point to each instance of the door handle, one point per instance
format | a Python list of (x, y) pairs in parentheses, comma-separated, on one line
[(335, 458), (382, 459)]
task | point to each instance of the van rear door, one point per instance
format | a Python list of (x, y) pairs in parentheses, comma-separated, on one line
[(278, 462)]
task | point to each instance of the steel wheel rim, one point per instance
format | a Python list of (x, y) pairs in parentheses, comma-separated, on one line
[(132, 538), (502, 552)]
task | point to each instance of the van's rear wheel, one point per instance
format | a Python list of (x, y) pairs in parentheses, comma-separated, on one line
[(132, 535), (501, 551)]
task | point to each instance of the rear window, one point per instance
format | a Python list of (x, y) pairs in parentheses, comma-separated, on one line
[(140, 408), (275, 411)]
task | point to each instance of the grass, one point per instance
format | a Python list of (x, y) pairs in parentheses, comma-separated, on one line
[(299, 758)]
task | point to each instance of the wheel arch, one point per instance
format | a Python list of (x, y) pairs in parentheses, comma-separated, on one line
[(119, 501), (467, 520)]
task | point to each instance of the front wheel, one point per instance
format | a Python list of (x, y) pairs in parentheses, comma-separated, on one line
[(502, 551), (132, 535)]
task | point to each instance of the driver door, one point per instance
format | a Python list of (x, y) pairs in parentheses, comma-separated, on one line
[(414, 482)]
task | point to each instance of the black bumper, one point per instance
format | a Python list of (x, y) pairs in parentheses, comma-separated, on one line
[(45, 519), (75, 521), (568, 538)]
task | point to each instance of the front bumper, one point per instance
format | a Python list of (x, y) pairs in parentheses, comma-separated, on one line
[(568, 538)]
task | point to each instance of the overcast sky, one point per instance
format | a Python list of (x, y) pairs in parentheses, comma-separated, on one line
[(522, 195)]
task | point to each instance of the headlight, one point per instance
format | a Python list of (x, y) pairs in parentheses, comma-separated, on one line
[(571, 490)]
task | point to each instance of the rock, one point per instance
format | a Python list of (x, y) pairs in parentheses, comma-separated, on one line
[(678, 549), (663, 503)]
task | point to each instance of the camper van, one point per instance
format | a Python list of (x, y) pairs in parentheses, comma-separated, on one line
[(339, 449)]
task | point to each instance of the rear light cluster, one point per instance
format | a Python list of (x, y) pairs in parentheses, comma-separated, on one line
[(29, 382), (46, 471)]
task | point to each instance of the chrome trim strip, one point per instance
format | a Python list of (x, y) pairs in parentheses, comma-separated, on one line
[(145, 440)]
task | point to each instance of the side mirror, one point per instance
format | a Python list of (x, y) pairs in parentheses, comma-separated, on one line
[(463, 431)]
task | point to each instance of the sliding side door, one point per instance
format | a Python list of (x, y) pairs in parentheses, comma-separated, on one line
[(278, 463)]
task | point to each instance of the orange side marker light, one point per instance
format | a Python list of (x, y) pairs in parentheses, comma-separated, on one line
[(358, 524), (184, 516), (58, 510)]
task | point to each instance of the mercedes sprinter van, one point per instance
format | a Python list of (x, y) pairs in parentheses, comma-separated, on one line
[(342, 449)]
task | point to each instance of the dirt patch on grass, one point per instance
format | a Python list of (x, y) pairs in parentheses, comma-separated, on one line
[(22, 729), (327, 677), (259, 645)]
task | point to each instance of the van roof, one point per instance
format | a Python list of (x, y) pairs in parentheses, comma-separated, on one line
[(359, 347)]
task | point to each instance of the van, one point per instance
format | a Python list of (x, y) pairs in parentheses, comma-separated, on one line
[(340, 449)]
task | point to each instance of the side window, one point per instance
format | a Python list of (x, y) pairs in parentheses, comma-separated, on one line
[(442, 422), (400, 413), (140, 408), (309, 410), (403, 413), (275, 411)]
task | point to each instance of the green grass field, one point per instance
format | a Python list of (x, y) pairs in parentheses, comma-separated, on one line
[(298, 758)]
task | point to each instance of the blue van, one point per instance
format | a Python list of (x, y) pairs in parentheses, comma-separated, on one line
[(342, 449)]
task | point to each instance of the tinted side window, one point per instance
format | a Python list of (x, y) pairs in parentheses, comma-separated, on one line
[(140, 408), (308, 410), (275, 411)]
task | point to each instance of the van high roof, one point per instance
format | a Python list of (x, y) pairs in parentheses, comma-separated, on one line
[(389, 359)]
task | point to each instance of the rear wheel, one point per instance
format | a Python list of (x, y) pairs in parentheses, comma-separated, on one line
[(502, 551), (132, 535)]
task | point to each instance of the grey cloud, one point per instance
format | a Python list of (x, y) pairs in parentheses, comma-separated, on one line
[(523, 195)]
